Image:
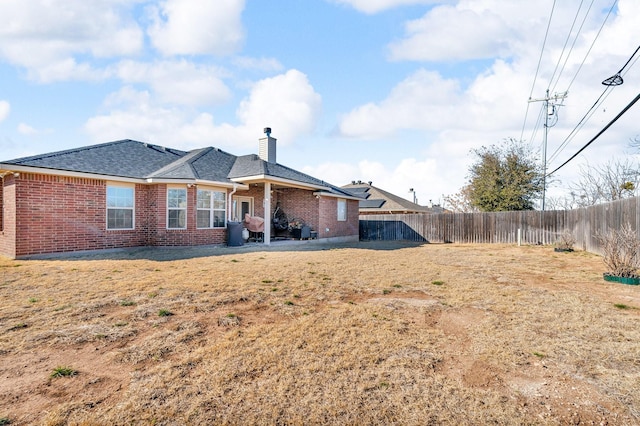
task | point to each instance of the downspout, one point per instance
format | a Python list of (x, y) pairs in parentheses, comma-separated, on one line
[(230, 204)]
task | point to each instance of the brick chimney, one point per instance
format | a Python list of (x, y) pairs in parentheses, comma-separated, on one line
[(267, 147)]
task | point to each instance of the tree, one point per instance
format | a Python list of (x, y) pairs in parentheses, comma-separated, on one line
[(505, 178), (609, 182), (460, 201)]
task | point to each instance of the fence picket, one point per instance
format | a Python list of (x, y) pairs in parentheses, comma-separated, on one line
[(536, 227)]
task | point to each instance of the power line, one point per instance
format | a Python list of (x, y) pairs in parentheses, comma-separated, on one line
[(564, 47), (535, 77), (592, 44), (575, 39), (581, 123), (620, 114), (618, 80), (557, 97)]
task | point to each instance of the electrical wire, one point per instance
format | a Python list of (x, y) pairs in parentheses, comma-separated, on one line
[(580, 124), (592, 44), (605, 93), (620, 114), (565, 47), (535, 77), (538, 124), (575, 39)]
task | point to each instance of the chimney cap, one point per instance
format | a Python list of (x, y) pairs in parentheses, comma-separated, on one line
[(267, 130)]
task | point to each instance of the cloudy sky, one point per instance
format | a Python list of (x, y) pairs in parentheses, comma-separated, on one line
[(391, 91)]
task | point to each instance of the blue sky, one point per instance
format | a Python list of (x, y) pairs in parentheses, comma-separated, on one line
[(391, 91)]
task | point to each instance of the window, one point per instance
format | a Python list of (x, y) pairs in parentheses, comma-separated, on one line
[(342, 209), (120, 212), (176, 208), (211, 209)]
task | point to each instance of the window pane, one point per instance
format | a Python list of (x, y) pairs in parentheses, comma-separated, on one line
[(119, 197), (177, 198), (177, 219), (119, 219), (203, 219), (219, 199), (204, 199), (218, 219), (342, 210)]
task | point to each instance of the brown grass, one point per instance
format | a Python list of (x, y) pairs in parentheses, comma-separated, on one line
[(369, 333)]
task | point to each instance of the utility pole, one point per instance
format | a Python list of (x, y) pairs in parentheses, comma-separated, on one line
[(548, 112)]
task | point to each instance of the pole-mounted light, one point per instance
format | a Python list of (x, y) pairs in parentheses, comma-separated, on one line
[(614, 80)]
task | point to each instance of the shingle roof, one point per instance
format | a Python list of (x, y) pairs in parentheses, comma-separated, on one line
[(379, 199), (133, 159), (124, 158)]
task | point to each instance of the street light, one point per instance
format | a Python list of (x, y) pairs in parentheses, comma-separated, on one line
[(614, 80)]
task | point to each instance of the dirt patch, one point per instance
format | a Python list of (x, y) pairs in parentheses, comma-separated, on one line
[(365, 333)]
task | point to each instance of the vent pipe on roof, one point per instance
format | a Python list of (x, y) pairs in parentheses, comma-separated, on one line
[(267, 147)]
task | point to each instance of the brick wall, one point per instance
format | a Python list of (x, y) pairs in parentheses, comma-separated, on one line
[(1, 203), (298, 204), (8, 232), (60, 214), (330, 226), (191, 236), (48, 214)]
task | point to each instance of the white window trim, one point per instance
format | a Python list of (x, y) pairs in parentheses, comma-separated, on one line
[(212, 209), (186, 219), (340, 217), (133, 209)]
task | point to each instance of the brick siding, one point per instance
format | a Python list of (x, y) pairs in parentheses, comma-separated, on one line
[(8, 232), (48, 214)]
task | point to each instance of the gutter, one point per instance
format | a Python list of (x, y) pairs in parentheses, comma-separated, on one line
[(230, 203)]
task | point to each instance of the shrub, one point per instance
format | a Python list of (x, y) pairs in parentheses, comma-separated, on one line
[(566, 241), (621, 251), (63, 372)]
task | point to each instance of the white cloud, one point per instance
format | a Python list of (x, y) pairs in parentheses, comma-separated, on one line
[(5, 107), (187, 27), (178, 82), (48, 37), (429, 176), (261, 64), (286, 102), (375, 6), (26, 130), (450, 33), (486, 29), (424, 100)]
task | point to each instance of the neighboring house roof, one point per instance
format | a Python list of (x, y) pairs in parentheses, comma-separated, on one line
[(139, 160), (376, 200)]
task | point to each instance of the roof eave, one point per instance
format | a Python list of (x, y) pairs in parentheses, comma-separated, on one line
[(281, 181), (15, 168), (335, 195)]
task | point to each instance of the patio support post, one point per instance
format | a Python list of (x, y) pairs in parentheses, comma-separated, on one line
[(267, 213)]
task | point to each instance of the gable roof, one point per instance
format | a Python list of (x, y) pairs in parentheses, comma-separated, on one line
[(131, 159), (376, 200)]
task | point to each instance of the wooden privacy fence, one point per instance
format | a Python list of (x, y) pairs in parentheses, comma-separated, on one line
[(528, 227)]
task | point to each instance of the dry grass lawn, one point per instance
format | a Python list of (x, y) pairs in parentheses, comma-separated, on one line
[(367, 333)]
